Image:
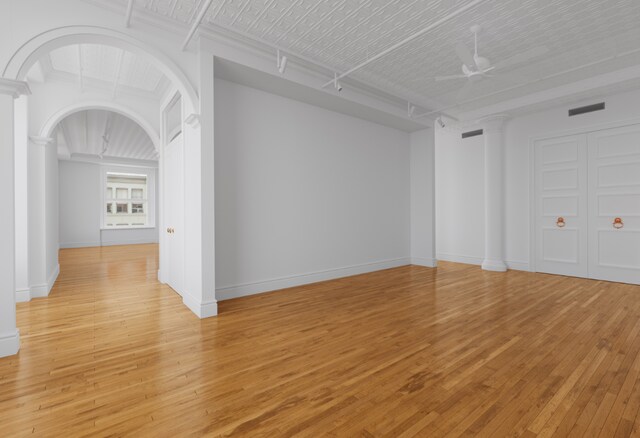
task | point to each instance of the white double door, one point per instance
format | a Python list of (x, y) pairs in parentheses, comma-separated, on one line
[(588, 205)]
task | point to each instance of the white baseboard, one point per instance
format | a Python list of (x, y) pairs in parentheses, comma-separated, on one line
[(511, 264), (128, 242), (9, 343), (79, 245), (241, 290), (518, 266), (421, 261), (43, 290), (460, 259), (107, 243), (202, 310), (23, 295)]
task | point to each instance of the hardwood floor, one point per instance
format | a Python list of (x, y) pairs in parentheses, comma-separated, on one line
[(404, 352)]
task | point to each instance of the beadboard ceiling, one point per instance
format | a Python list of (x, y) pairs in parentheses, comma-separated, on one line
[(106, 67), (82, 133), (584, 39)]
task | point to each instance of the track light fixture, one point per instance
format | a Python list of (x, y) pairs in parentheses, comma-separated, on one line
[(411, 109), (440, 122), (336, 84), (281, 63)]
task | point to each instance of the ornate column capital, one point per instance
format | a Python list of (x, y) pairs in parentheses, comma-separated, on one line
[(40, 141), (193, 120), (14, 88), (494, 122)]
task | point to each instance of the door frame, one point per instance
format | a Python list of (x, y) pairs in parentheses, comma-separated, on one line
[(532, 172), (165, 137)]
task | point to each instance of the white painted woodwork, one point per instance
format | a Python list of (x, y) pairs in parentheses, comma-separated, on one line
[(493, 193), (614, 192), (589, 180), (561, 192), (174, 212), (9, 334)]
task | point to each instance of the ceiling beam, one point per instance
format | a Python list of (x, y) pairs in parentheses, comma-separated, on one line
[(406, 40), (127, 18), (117, 78), (107, 133), (80, 74), (197, 22)]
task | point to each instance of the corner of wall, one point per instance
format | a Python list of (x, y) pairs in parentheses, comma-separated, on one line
[(9, 343)]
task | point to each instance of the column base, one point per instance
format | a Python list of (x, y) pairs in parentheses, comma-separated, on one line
[(202, 310), (494, 265), (9, 343)]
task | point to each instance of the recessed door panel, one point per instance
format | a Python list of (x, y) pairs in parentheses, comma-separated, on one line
[(561, 206), (614, 204)]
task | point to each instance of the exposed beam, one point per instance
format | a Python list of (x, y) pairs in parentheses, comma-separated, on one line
[(80, 74), (127, 18), (117, 78), (407, 40), (107, 133), (196, 23)]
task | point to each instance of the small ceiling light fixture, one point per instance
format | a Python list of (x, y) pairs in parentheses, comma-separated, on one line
[(440, 122), (281, 63), (336, 84), (411, 109)]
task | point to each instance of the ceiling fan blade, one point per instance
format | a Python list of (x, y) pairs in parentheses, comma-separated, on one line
[(522, 57), (515, 79), (465, 91), (465, 55), (446, 78)]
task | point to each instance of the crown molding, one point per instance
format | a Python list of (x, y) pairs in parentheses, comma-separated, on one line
[(14, 88)]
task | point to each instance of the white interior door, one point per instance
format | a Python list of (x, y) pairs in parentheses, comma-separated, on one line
[(614, 204), (561, 205), (174, 212)]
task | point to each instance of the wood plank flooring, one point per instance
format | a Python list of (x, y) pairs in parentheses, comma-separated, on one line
[(404, 352)]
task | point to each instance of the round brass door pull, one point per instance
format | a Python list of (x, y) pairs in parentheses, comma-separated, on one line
[(560, 222), (617, 223)]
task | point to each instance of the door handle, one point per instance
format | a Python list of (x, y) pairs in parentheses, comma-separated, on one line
[(617, 223), (560, 222)]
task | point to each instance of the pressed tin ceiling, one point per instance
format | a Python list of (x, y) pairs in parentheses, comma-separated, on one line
[(584, 38)]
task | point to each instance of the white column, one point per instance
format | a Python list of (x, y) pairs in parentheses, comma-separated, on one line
[(37, 205), (21, 135), (9, 334), (493, 192), (422, 171)]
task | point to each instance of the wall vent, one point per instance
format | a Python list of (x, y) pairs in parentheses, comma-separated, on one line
[(586, 109), (472, 133)]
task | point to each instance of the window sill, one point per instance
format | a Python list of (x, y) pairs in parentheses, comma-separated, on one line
[(146, 227)]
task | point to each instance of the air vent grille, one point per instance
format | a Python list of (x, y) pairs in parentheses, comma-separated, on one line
[(586, 109), (472, 133)]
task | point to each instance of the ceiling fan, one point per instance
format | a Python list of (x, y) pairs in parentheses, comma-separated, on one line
[(476, 67)]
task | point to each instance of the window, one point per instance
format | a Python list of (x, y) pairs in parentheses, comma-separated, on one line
[(127, 199)]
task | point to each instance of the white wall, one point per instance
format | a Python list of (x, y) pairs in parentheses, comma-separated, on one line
[(422, 168), (80, 209), (460, 183), (303, 193), (459, 197)]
